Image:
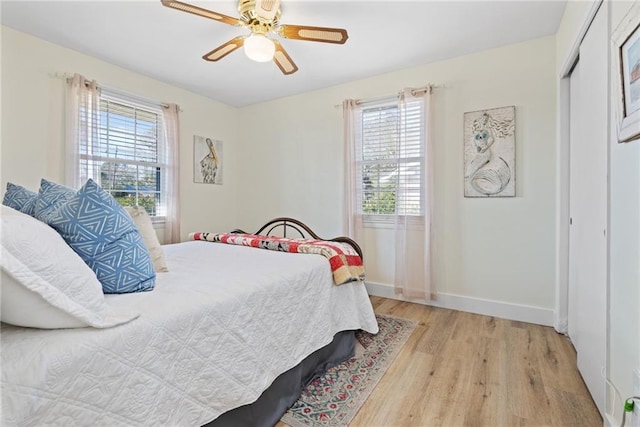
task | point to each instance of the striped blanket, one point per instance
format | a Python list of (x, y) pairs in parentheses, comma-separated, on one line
[(345, 262)]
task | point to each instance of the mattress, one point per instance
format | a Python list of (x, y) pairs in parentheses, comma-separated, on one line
[(216, 331)]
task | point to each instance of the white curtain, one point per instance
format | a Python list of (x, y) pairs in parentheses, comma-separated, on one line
[(171, 161), (82, 120), (413, 235), (353, 216)]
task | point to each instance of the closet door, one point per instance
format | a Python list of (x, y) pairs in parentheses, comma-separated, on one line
[(588, 208), (577, 168)]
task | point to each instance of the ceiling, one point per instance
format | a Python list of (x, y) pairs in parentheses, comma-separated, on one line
[(166, 44)]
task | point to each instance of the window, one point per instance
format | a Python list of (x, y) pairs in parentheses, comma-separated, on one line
[(127, 144), (390, 159), (128, 154)]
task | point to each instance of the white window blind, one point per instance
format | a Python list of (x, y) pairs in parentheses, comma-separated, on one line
[(128, 155), (391, 159)]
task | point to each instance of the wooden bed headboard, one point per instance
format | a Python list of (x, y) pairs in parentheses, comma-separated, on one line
[(300, 229)]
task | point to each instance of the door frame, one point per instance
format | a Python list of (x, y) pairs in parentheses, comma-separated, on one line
[(561, 312)]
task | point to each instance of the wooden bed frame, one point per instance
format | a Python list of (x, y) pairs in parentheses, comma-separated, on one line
[(300, 228)]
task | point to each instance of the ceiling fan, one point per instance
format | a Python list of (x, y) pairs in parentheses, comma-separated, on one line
[(262, 18)]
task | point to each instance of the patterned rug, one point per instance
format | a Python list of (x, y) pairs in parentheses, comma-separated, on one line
[(335, 398)]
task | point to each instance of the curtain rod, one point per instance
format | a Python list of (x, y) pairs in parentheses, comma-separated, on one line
[(414, 91), (68, 77)]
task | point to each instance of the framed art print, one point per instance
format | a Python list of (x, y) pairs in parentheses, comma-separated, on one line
[(207, 160), (626, 51)]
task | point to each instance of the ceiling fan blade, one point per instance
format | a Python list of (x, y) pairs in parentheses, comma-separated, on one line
[(185, 7), (267, 9), (225, 49), (283, 60), (314, 34)]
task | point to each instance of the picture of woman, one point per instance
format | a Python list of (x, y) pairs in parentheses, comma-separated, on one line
[(207, 156)]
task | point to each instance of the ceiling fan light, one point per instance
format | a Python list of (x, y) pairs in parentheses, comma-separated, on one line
[(259, 48)]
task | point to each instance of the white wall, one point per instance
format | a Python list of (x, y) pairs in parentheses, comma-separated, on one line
[(499, 249), (624, 268), (575, 15), (33, 124), (285, 158)]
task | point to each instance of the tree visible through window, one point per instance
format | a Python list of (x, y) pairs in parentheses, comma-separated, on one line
[(390, 159), (129, 149)]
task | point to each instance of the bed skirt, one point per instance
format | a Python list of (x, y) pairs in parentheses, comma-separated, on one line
[(286, 388)]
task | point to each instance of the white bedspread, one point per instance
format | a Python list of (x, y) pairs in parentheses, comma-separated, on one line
[(216, 331)]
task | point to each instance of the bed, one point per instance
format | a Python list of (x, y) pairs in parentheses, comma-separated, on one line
[(227, 337)]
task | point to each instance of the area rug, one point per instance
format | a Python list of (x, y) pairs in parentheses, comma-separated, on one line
[(334, 398)]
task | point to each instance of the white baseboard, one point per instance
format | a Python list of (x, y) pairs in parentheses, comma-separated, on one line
[(610, 421), (561, 325), (504, 310)]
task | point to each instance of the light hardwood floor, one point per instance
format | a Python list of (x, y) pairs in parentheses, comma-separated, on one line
[(462, 369)]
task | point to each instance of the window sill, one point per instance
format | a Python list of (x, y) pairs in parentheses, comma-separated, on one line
[(378, 223), (158, 221), (389, 221)]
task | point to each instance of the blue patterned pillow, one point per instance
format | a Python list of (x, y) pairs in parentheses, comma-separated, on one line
[(99, 230), (49, 195), (20, 199)]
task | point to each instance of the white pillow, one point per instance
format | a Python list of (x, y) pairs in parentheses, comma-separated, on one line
[(142, 220), (45, 284)]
